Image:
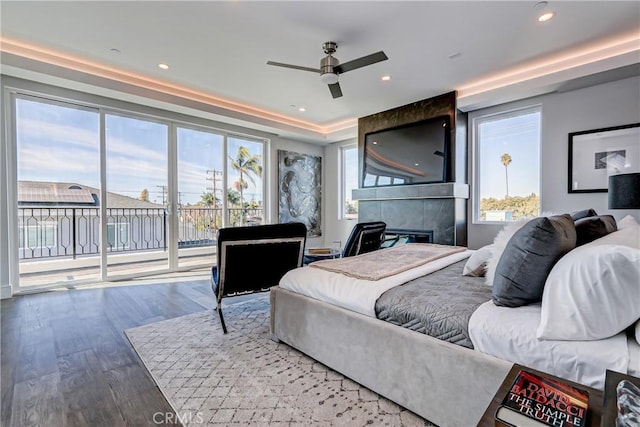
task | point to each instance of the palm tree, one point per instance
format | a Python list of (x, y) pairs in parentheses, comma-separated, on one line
[(245, 164), (207, 199), (233, 197), (506, 160)]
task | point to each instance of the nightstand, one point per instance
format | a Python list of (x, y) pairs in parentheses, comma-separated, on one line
[(595, 398)]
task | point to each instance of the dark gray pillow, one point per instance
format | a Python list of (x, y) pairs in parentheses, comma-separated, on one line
[(528, 258), (593, 227), (583, 214)]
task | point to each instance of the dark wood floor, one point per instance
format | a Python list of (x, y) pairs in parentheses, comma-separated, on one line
[(66, 361)]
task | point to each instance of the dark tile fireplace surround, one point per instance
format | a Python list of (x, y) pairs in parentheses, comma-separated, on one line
[(439, 207)]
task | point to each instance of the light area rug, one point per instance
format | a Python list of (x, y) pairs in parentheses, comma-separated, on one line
[(244, 378)]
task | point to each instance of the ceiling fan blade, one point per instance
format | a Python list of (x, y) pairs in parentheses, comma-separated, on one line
[(295, 67), (361, 62), (336, 92)]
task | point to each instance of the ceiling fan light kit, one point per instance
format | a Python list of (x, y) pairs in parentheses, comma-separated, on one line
[(330, 67)]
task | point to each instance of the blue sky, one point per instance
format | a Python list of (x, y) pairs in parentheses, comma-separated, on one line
[(519, 137), (61, 144)]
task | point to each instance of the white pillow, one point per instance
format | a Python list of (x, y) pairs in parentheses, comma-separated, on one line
[(627, 222), (476, 265), (592, 293), (629, 236), (498, 246)]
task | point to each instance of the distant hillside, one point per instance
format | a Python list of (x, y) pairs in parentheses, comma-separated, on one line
[(520, 206)]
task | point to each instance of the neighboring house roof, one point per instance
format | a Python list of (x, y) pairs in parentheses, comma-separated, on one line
[(69, 194)]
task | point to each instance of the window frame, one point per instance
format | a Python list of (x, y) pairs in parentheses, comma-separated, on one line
[(475, 152), (342, 205)]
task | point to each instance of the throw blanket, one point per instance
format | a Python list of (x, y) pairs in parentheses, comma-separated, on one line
[(383, 263)]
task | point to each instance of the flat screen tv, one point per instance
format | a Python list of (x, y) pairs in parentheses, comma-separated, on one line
[(412, 154)]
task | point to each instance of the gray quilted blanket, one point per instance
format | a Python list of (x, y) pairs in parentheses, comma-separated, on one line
[(438, 304)]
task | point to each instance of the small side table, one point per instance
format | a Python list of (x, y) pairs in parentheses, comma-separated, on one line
[(595, 398), (312, 256)]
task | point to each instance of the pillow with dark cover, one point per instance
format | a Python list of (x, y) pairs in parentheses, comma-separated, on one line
[(528, 258), (593, 227), (583, 214)]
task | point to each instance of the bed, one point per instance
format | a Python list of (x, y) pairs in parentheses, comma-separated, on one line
[(320, 313)]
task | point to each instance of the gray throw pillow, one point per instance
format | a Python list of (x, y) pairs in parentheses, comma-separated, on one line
[(583, 214), (593, 227), (528, 258)]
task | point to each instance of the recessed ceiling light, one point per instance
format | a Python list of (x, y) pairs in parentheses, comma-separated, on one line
[(163, 66), (546, 16), (375, 142), (114, 50), (302, 109), (416, 164), (453, 55), (386, 78)]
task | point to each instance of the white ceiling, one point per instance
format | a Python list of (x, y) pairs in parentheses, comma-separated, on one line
[(218, 51)]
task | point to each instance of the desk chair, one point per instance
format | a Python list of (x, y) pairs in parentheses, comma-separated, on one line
[(365, 237)]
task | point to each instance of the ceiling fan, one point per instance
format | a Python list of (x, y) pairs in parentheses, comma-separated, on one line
[(330, 67)]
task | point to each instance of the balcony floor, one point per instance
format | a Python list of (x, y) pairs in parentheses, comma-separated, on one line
[(74, 277)]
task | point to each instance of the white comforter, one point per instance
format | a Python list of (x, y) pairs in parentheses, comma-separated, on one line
[(356, 294)]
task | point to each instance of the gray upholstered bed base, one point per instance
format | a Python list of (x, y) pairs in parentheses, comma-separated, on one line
[(447, 384)]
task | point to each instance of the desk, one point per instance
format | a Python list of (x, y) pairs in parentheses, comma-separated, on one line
[(595, 398), (311, 255)]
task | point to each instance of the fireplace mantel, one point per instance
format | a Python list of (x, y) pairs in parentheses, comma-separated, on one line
[(438, 207), (418, 191)]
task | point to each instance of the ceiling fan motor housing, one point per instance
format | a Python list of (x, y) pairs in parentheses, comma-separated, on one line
[(329, 47), (327, 64), (327, 72)]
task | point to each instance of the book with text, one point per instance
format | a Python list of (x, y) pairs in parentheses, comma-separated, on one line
[(535, 400)]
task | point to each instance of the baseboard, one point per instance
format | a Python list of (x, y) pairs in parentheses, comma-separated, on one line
[(5, 291)]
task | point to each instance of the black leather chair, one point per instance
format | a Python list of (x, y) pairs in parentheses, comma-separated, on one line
[(253, 259), (365, 237)]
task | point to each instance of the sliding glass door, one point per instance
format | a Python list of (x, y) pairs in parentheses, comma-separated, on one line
[(200, 195), (57, 147), (137, 196), (104, 194)]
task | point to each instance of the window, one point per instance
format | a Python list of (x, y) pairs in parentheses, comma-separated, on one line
[(507, 165), (349, 174), (118, 236), (42, 235)]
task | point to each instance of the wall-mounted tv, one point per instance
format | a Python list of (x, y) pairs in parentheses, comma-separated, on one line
[(412, 154)]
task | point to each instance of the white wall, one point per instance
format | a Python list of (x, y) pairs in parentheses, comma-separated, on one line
[(606, 105)]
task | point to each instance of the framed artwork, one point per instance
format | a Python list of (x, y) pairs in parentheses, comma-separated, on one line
[(596, 154), (300, 190)]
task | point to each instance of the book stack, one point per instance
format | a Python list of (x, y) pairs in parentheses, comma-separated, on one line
[(319, 251), (538, 401)]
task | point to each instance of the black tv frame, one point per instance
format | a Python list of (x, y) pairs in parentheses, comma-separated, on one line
[(446, 164)]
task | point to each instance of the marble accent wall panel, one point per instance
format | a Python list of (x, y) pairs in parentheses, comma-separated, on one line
[(438, 215)]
